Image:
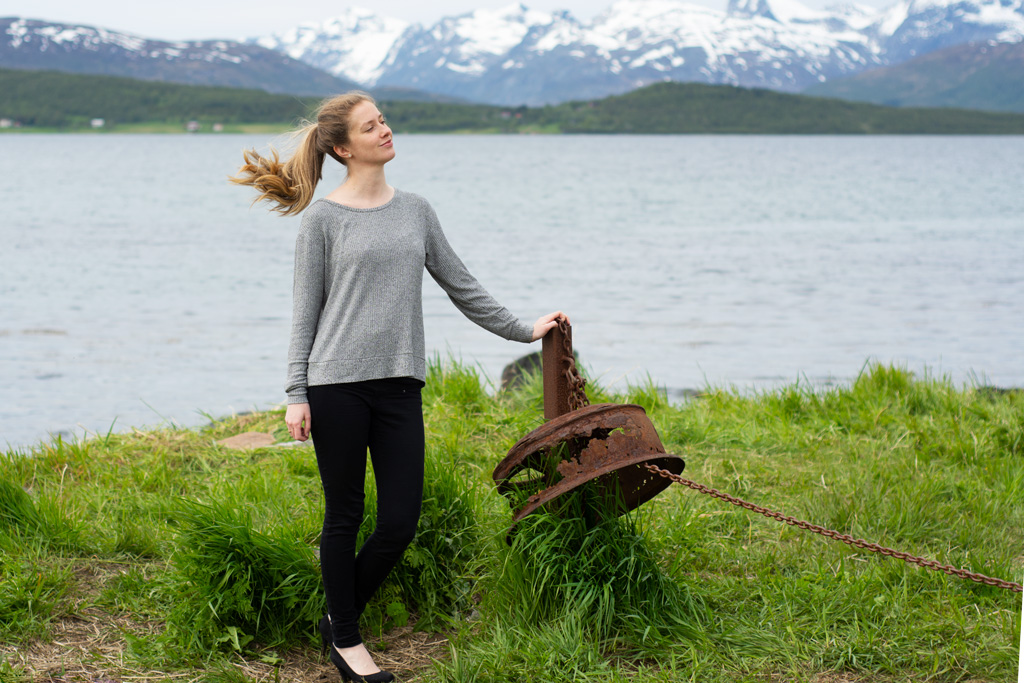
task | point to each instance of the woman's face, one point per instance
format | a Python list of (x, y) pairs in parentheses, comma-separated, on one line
[(369, 137)]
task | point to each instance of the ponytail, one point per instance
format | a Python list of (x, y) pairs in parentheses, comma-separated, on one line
[(290, 185)]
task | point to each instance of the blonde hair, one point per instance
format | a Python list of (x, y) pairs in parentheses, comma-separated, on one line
[(290, 184)]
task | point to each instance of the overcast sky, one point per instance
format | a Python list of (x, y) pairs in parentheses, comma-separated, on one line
[(233, 19)]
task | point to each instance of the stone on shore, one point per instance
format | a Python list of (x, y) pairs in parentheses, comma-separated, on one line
[(247, 440), (516, 372)]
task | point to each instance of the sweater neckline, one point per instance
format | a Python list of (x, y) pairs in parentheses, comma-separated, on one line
[(354, 209)]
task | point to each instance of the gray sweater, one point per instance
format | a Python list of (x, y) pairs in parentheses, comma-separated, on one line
[(358, 302)]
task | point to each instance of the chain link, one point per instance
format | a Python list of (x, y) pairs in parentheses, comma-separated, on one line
[(577, 384), (845, 538)]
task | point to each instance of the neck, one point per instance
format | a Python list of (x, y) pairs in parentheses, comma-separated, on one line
[(365, 182)]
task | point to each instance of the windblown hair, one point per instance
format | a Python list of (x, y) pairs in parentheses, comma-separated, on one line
[(289, 185)]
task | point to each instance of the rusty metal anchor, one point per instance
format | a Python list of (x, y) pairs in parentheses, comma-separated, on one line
[(608, 444)]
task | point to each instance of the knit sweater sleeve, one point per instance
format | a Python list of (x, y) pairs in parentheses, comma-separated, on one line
[(465, 291), (307, 302)]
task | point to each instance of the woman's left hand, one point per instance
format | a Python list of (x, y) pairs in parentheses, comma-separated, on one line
[(546, 322)]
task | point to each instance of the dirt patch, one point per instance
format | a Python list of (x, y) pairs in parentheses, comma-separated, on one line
[(85, 650), (409, 655), (91, 647)]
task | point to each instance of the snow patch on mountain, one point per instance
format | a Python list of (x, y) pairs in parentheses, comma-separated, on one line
[(354, 44), (31, 33), (474, 42), (563, 31), (23, 32), (491, 31)]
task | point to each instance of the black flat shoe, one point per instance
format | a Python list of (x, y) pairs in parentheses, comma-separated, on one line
[(347, 674)]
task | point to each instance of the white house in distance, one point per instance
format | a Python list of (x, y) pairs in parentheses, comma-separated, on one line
[(6, 123), (98, 123)]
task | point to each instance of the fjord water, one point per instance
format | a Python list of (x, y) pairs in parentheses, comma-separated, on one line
[(139, 287)]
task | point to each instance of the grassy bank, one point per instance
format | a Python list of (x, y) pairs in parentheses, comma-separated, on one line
[(163, 555)]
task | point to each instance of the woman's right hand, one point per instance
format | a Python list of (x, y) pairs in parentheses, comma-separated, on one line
[(298, 420)]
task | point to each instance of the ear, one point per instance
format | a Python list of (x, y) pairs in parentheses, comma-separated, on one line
[(342, 152)]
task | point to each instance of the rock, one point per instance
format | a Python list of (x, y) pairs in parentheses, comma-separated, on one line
[(689, 394), (247, 440), (516, 372)]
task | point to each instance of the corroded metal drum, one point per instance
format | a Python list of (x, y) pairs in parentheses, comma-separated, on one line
[(607, 444)]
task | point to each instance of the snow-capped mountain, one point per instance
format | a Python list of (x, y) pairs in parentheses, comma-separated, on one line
[(353, 45), (515, 55), (488, 56), (915, 27), (986, 75), (35, 44), (748, 45)]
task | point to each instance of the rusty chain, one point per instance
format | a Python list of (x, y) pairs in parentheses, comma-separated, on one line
[(577, 391), (845, 538), (578, 399)]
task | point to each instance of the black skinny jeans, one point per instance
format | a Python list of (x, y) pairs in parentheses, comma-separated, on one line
[(385, 415)]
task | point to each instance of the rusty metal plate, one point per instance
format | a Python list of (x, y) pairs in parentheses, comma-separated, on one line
[(607, 444)]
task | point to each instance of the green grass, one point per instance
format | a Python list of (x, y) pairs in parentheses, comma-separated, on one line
[(213, 548)]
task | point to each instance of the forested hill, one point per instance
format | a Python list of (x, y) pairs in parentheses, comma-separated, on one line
[(700, 108), (54, 99), (69, 101)]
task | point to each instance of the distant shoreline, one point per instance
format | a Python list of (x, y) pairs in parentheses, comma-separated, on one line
[(55, 101), (279, 129), (158, 128)]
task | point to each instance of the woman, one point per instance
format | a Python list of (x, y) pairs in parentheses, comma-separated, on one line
[(356, 362)]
